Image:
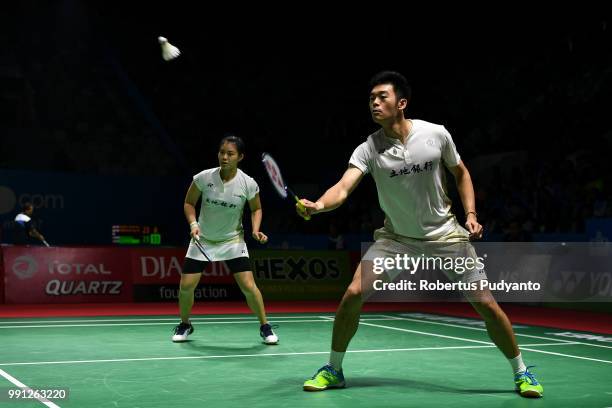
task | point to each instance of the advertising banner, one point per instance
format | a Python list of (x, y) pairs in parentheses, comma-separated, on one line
[(301, 275), (66, 275), (109, 274), (523, 272), (156, 274), (164, 265)]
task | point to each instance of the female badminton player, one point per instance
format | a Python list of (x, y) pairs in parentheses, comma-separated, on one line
[(224, 191)]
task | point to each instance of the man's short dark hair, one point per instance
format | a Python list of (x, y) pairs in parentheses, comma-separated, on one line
[(398, 81), (26, 206)]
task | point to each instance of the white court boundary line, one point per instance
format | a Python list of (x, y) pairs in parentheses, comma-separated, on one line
[(362, 322), (165, 319), (424, 333), (410, 319), (252, 321), (22, 385), (567, 355), (483, 342), (120, 360), (204, 320)]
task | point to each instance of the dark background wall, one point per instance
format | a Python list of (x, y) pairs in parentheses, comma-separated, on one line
[(84, 90)]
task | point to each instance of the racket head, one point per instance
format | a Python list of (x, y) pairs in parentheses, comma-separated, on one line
[(277, 181), (275, 174)]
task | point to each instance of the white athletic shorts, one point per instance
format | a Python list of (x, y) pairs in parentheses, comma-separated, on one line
[(452, 245)]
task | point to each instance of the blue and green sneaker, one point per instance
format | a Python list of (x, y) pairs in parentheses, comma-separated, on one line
[(527, 385), (326, 377)]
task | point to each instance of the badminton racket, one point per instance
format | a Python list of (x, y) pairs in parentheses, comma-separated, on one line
[(199, 245), (277, 181)]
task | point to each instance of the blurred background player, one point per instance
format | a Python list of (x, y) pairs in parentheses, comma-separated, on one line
[(406, 159), (224, 191), (24, 227)]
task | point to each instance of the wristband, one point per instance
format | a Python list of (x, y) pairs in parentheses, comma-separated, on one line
[(195, 223)]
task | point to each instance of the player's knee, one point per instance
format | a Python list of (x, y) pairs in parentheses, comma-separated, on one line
[(248, 289), (353, 292), (188, 285), (489, 310), (187, 288)]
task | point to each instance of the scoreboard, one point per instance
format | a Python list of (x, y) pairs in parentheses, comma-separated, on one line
[(136, 235)]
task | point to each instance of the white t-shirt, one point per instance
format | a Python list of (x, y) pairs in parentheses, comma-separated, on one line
[(222, 203), (410, 179)]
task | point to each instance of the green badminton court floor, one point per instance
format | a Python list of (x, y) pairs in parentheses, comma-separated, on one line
[(395, 360)]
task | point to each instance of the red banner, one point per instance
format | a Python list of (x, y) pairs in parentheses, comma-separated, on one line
[(66, 275), (164, 265), (111, 274), (2, 280)]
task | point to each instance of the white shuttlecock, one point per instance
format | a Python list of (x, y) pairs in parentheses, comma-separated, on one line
[(169, 51)]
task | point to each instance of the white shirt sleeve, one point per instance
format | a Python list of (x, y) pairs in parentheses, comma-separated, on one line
[(450, 156), (199, 181), (361, 157), (252, 188)]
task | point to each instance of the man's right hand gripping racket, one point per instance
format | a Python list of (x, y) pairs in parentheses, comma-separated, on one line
[(277, 181)]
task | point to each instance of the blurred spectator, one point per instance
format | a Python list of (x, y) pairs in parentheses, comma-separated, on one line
[(25, 229)]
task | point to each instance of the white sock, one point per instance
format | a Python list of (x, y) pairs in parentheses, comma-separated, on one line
[(335, 359), (517, 364)]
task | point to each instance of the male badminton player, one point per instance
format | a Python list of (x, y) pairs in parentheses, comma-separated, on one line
[(224, 191), (406, 158)]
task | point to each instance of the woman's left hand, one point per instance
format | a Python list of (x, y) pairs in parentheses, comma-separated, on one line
[(260, 237)]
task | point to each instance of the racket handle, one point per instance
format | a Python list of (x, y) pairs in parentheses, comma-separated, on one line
[(198, 244), (297, 200)]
